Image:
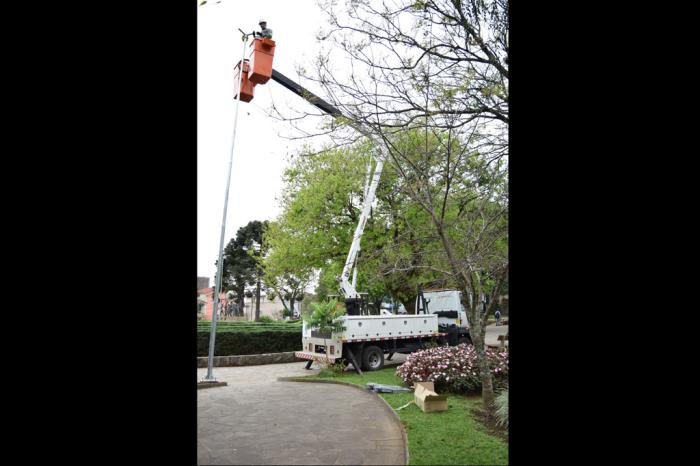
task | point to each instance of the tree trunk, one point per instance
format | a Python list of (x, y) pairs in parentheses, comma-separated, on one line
[(279, 295), (257, 302), (476, 326), (477, 332), (409, 303), (241, 300)]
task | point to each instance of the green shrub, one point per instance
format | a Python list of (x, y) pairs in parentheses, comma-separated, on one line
[(266, 319), (242, 342), (225, 326), (236, 338), (332, 370), (338, 367), (502, 409), (430, 344), (324, 317)]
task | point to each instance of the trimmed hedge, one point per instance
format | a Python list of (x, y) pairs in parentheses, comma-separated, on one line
[(237, 338), (221, 324)]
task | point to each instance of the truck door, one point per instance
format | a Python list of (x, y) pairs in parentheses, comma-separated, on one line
[(463, 317), (462, 314)]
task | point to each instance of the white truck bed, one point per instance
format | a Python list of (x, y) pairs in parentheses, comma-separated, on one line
[(365, 329), (370, 328)]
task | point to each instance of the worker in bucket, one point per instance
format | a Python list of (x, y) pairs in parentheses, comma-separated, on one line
[(265, 32)]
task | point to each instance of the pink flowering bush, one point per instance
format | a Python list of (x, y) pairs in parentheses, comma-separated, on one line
[(453, 368)]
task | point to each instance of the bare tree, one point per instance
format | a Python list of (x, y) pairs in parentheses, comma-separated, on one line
[(429, 78), (288, 288), (438, 69)]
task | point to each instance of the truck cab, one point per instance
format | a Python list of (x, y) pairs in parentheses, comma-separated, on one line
[(447, 305)]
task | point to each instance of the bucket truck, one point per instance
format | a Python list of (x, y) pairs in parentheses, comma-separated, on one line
[(366, 338)]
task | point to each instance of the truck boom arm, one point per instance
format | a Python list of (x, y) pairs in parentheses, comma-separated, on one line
[(345, 284)]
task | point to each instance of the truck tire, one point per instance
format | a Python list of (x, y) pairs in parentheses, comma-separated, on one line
[(464, 339), (372, 358), (452, 336)]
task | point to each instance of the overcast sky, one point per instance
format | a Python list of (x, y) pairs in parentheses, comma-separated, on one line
[(260, 150)]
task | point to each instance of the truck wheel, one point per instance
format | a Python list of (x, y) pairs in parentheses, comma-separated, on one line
[(372, 358)]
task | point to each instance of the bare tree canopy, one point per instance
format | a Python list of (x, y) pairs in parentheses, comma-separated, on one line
[(446, 59), (429, 80)]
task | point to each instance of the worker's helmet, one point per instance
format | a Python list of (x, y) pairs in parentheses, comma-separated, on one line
[(261, 21)]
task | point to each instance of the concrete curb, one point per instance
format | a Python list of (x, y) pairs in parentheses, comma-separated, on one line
[(203, 385), (386, 405), (250, 359)]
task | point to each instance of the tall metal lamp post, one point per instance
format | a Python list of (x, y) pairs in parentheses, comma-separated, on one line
[(209, 379)]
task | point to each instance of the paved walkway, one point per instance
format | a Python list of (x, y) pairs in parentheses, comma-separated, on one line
[(492, 333), (257, 420)]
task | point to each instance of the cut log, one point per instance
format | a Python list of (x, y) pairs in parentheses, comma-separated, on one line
[(426, 398)]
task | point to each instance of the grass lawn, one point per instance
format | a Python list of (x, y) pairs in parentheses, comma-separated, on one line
[(448, 437)]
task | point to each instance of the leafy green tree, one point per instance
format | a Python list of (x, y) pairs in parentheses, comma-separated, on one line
[(321, 205), (324, 319), (241, 264), (286, 286)]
